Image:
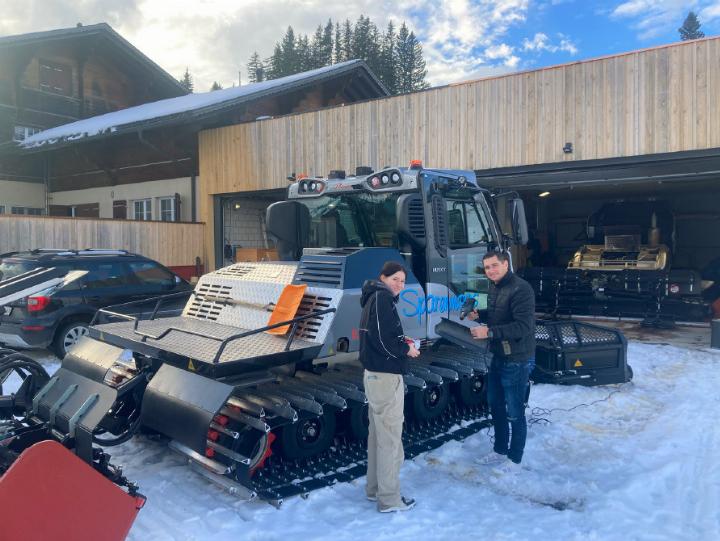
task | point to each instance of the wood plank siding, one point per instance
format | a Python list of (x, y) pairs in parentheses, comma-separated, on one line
[(172, 244), (664, 99)]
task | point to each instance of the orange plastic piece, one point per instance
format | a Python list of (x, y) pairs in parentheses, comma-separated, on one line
[(222, 420), (267, 454), (49, 493), (286, 307)]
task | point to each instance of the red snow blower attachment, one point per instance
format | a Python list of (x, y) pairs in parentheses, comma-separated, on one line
[(54, 484)]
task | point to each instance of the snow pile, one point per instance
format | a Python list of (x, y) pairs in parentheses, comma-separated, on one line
[(623, 462)]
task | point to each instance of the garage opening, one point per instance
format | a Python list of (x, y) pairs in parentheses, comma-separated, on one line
[(630, 237), (243, 226)]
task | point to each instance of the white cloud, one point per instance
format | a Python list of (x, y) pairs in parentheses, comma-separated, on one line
[(498, 51), (215, 38), (541, 42), (538, 43), (460, 36), (512, 61), (656, 17)]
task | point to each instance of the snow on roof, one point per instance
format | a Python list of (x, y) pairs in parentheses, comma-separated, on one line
[(162, 110)]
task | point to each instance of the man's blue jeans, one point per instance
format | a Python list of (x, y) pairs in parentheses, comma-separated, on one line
[(507, 388)]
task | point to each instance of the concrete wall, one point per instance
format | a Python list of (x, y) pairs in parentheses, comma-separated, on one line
[(21, 194), (129, 192)]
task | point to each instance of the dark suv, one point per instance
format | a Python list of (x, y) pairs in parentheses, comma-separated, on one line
[(59, 317)]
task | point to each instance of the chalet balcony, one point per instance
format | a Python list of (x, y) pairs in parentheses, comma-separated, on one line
[(48, 102)]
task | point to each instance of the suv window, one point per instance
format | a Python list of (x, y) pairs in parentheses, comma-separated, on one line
[(150, 273), (106, 274), (14, 267)]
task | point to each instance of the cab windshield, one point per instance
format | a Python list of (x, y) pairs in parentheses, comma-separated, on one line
[(353, 220)]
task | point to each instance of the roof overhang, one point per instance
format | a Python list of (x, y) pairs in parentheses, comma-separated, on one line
[(651, 171)]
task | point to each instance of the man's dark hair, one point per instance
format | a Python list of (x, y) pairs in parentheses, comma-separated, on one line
[(391, 267), (502, 256)]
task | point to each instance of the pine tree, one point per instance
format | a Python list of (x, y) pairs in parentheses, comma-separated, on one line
[(365, 43), (395, 57), (303, 56), (275, 63), (256, 69), (411, 70), (388, 61), (338, 49), (347, 41), (326, 45), (419, 72), (215, 86), (315, 46), (690, 28), (187, 80), (285, 59)]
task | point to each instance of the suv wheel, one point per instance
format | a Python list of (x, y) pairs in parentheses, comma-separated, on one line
[(69, 335)]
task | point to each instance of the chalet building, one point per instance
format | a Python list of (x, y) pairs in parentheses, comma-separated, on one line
[(141, 162), (57, 77)]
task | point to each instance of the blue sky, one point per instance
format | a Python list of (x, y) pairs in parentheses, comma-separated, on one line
[(590, 29), (462, 39)]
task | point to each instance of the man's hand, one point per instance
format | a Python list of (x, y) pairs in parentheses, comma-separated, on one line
[(473, 315), (414, 352), (480, 332)]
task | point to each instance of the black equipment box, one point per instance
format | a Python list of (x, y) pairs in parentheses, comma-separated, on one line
[(571, 352)]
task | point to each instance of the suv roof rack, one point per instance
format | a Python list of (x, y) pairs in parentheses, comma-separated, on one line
[(47, 253), (94, 251)]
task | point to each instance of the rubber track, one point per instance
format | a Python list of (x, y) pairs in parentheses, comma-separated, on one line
[(347, 460)]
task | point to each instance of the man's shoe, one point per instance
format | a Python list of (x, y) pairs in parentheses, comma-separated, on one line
[(371, 498), (491, 459), (406, 505), (507, 468)]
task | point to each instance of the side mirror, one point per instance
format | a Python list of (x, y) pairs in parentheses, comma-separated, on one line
[(288, 224), (516, 208)]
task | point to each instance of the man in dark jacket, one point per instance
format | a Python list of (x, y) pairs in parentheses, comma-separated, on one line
[(384, 354), (510, 330)]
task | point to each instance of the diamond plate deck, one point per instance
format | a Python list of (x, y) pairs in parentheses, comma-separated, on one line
[(203, 348)]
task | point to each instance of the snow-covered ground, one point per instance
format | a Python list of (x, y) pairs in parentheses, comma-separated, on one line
[(637, 461)]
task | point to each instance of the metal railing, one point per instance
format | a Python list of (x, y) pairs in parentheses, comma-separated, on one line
[(224, 342)]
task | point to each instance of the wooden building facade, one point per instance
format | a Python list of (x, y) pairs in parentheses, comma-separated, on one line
[(655, 102)]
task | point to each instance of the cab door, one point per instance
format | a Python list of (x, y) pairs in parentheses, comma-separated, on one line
[(462, 230), (471, 233)]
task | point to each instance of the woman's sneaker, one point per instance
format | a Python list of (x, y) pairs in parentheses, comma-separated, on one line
[(406, 505)]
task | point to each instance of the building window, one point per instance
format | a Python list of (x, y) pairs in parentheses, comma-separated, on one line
[(55, 78), (24, 210), (2, 209), (23, 132), (142, 209), (167, 209)]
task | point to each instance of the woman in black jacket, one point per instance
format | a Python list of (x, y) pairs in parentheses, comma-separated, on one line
[(384, 354)]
